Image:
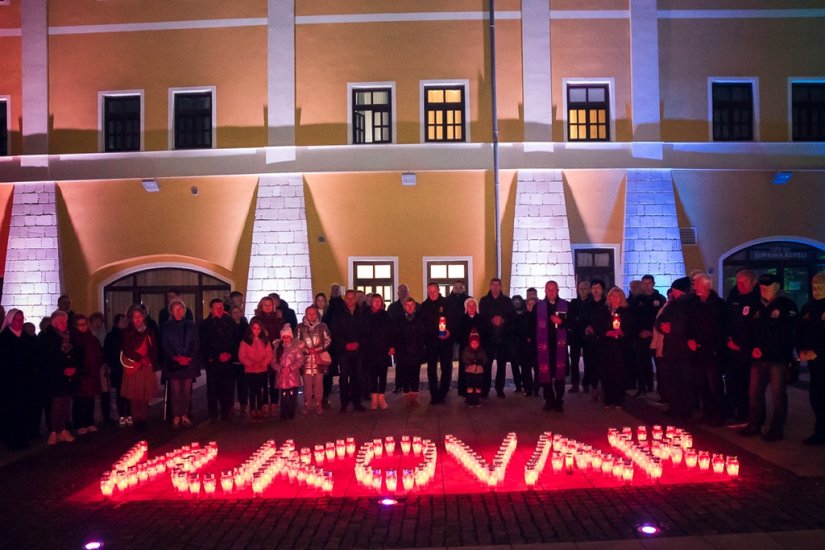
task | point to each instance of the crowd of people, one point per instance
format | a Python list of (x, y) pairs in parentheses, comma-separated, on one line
[(708, 359)]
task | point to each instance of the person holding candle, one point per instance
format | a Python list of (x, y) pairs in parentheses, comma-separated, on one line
[(20, 403), (289, 359), (409, 351), (551, 346), (315, 340), (614, 327), (179, 339), (139, 347), (378, 350), (255, 354), (436, 315), (474, 359), (811, 346)]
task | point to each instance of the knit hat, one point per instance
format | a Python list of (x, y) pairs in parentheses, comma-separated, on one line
[(682, 284), (474, 336), (286, 330)]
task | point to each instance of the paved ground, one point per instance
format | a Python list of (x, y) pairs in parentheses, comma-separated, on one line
[(45, 494)]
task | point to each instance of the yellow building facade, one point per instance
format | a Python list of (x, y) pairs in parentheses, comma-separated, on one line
[(287, 145)]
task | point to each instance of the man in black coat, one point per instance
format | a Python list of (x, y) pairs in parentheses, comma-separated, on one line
[(706, 337), (742, 304), (644, 307), (674, 324), (439, 322), (216, 343), (811, 346), (497, 311), (348, 326)]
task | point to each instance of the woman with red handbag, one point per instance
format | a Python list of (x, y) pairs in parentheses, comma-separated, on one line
[(139, 356)]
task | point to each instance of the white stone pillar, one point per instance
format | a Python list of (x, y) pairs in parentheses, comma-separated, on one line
[(535, 68), (652, 243), (280, 247), (281, 72), (35, 51), (644, 70), (32, 282), (541, 234)]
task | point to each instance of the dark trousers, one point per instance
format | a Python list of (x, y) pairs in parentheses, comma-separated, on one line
[(817, 393), (737, 384), (644, 364), (613, 381), (59, 413), (708, 372), (289, 398), (473, 389), (764, 373), (576, 349), (527, 361), (497, 353), (377, 369), (83, 411), (220, 389), (554, 392), (440, 352), (681, 388), (272, 388), (241, 385), (408, 375), (328, 385), (591, 364), (350, 380), (256, 382)]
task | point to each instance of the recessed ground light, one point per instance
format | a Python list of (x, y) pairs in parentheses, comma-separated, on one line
[(648, 529), (388, 501)]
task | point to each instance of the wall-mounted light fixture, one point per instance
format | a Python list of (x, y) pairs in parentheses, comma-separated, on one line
[(150, 185), (408, 179), (781, 178)]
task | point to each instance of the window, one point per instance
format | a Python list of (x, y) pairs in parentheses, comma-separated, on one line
[(445, 272), (595, 263), (733, 115), (808, 111), (121, 123), (444, 112), (588, 112), (374, 277), (193, 119), (4, 127), (371, 115)]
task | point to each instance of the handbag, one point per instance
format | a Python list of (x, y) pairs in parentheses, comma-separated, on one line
[(130, 366), (324, 359)]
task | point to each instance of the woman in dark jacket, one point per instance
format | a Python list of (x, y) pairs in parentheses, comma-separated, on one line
[(180, 346), (613, 327), (20, 400), (83, 408), (139, 347), (378, 347), (61, 360), (409, 351), (111, 352)]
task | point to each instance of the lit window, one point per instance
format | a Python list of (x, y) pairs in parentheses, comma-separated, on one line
[(372, 115), (732, 111), (374, 278), (588, 112), (193, 120), (446, 272), (121, 123), (808, 111), (4, 127), (444, 111)]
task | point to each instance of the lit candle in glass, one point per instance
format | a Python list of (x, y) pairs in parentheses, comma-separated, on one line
[(350, 446), (408, 480), (329, 450), (641, 434), (226, 481), (627, 473), (657, 433), (732, 466), (194, 484), (718, 463), (306, 455), (328, 484), (416, 446), (391, 481), (378, 448), (340, 448), (319, 455), (209, 484), (405, 444), (704, 461), (389, 444), (558, 462)]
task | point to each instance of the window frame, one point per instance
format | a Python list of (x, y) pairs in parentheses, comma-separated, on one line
[(427, 260), (101, 117), (6, 101), (791, 82), (352, 87), (755, 120), (422, 94), (610, 82), (171, 120), (392, 260), (618, 261)]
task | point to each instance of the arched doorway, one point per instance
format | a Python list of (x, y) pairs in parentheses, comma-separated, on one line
[(149, 286), (794, 263)]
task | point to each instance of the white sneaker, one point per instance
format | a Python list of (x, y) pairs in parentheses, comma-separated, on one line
[(122, 422), (65, 436), (52, 439), (82, 431), (129, 421), (91, 429)]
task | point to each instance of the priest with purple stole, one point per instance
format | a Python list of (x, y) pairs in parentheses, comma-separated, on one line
[(551, 346)]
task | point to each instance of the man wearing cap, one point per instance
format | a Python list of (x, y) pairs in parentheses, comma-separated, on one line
[(773, 344), (673, 324), (811, 346), (742, 304)]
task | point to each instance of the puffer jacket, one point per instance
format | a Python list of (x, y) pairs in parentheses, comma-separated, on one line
[(288, 366), (314, 339), (255, 357)]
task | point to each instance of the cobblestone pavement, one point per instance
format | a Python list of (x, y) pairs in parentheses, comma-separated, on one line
[(37, 509)]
